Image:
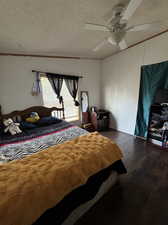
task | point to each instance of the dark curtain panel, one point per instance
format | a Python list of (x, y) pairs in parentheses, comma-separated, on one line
[(72, 85), (56, 83), (36, 89), (153, 78)]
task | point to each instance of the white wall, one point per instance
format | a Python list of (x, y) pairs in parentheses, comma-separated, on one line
[(120, 79), (16, 79), (117, 90)]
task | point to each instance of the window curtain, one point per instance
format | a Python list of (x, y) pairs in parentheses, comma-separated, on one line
[(56, 83), (36, 89), (153, 78), (72, 85)]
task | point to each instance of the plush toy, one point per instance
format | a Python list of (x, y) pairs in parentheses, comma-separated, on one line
[(34, 117), (11, 127), (4, 159)]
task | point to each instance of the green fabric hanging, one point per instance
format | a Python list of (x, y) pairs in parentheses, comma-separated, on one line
[(153, 78)]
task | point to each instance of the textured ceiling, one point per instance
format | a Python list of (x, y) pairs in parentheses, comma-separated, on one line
[(56, 27)]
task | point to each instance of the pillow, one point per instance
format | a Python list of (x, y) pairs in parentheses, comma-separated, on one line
[(34, 117), (44, 121), (27, 125)]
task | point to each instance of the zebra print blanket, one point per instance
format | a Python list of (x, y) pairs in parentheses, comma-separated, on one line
[(37, 141)]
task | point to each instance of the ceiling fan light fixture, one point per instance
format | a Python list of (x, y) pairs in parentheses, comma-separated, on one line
[(117, 37), (111, 41)]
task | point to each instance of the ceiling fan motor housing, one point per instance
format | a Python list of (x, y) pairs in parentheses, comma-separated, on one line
[(116, 21), (118, 10)]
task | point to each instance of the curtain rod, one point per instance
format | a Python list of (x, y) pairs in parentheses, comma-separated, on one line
[(64, 75)]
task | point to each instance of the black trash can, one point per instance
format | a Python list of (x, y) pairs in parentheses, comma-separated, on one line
[(103, 120)]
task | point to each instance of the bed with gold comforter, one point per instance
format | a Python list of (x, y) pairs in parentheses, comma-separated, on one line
[(36, 183)]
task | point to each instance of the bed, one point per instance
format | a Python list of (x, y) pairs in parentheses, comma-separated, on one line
[(51, 137)]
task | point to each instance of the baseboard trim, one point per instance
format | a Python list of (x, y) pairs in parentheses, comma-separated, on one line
[(114, 129)]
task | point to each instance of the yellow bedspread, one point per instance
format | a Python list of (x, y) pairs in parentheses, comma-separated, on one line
[(30, 186)]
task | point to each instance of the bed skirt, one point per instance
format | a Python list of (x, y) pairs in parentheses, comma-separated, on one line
[(79, 201), (81, 210)]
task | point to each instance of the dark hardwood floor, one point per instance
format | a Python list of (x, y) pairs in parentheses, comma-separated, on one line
[(141, 196)]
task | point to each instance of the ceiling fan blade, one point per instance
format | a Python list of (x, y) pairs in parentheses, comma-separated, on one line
[(131, 8), (100, 45), (151, 26), (122, 44), (98, 27)]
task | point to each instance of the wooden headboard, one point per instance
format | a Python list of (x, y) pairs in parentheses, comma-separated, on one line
[(41, 110)]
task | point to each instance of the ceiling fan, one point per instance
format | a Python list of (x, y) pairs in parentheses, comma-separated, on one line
[(117, 25)]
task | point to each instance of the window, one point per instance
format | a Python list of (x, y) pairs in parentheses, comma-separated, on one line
[(50, 99)]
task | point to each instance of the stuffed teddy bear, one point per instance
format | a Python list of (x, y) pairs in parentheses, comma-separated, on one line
[(12, 127), (34, 117), (4, 159)]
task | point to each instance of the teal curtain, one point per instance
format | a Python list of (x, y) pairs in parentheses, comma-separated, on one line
[(153, 78)]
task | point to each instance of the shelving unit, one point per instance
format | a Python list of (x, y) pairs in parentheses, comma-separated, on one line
[(157, 134)]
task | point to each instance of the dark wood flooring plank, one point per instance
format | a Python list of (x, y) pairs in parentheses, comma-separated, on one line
[(141, 197)]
